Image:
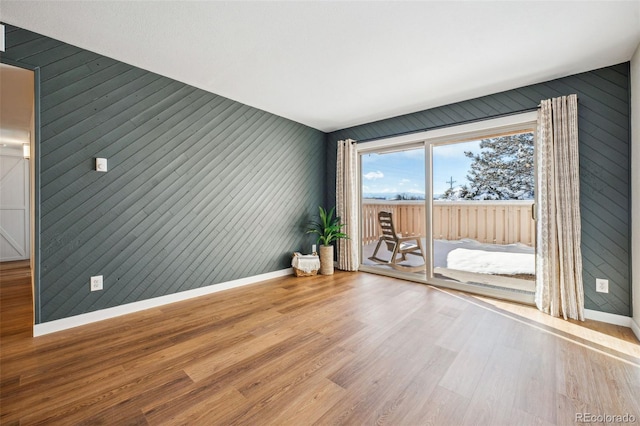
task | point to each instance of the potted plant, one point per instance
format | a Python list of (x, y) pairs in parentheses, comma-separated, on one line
[(329, 229)]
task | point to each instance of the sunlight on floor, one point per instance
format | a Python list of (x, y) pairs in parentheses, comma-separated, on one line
[(620, 339)]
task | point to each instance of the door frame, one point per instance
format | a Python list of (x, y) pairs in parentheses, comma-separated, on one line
[(523, 121), (34, 190)]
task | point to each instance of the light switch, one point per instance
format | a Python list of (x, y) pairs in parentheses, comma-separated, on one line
[(101, 164)]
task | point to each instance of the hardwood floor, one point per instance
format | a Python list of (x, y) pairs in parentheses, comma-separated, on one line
[(16, 306), (352, 348)]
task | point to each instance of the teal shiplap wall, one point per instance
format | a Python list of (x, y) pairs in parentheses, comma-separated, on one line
[(604, 133), (200, 189)]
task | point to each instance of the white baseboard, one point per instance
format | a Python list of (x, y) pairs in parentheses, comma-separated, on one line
[(636, 328), (116, 311), (608, 318)]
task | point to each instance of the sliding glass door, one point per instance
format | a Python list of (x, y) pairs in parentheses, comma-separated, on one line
[(453, 207)]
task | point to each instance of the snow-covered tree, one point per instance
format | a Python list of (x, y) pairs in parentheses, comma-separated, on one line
[(456, 193), (503, 170)]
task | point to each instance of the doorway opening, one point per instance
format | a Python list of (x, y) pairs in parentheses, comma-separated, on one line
[(17, 140), (17, 116)]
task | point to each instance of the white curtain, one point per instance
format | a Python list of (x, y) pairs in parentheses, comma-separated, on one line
[(347, 204), (559, 286)]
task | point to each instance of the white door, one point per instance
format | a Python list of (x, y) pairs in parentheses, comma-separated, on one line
[(14, 205)]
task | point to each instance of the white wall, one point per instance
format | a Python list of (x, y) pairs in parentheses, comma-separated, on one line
[(635, 188)]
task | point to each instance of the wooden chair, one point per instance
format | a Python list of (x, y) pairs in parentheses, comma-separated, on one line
[(397, 245)]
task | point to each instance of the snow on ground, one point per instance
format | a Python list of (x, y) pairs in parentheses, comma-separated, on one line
[(491, 262), (470, 256)]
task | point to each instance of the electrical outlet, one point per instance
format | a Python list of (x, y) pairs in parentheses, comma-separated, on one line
[(96, 283), (602, 286)]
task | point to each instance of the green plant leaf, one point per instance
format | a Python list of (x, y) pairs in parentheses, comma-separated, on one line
[(328, 228)]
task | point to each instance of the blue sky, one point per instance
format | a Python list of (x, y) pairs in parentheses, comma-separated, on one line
[(403, 172)]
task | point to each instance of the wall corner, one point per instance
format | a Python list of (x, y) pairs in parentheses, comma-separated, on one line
[(635, 189)]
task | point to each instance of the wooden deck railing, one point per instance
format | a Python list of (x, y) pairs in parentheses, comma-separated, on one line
[(493, 222)]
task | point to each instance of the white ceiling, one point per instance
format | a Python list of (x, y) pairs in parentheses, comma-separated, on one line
[(332, 65)]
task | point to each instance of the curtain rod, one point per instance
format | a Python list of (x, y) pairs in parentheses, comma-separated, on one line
[(577, 99)]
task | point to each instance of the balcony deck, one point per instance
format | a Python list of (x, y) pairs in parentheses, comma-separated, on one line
[(518, 282), (488, 226)]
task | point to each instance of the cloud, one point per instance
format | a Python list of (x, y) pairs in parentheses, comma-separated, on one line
[(373, 175)]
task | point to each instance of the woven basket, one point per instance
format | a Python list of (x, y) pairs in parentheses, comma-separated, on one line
[(301, 273)]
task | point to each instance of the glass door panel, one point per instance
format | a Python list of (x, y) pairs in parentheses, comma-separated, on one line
[(393, 232), (482, 222)]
